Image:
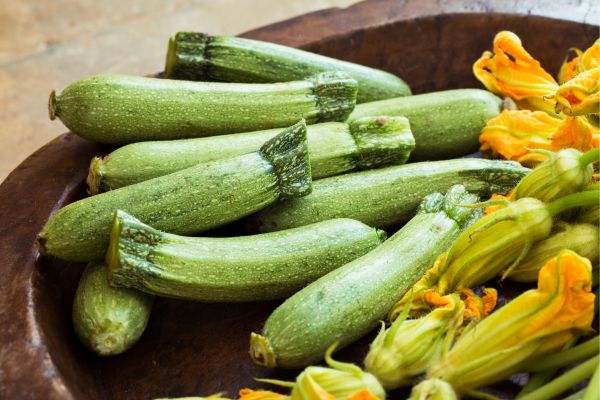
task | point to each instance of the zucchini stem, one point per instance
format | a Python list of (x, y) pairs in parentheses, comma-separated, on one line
[(52, 111), (564, 382), (591, 156), (580, 199), (582, 351), (261, 352)]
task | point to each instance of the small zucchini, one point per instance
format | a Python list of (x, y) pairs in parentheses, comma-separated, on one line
[(199, 57), (120, 109), (445, 124), (388, 196), (247, 268), (350, 301), (191, 200), (334, 148), (108, 320)]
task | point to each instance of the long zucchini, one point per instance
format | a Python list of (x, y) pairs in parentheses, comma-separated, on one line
[(334, 148), (120, 109), (108, 320), (445, 124), (198, 57), (247, 268), (347, 303), (192, 200), (388, 196)]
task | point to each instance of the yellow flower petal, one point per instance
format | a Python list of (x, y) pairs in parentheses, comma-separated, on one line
[(590, 58), (568, 70), (363, 395), (580, 95), (576, 133), (513, 132), (477, 308), (511, 71), (249, 394)]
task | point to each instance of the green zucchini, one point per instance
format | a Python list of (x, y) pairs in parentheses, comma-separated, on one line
[(445, 124), (334, 148), (199, 57), (388, 196), (347, 303), (120, 109), (108, 320), (191, 200), (247, 268)]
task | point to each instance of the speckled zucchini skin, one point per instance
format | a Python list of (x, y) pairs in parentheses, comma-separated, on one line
[(198, 57), (247, 268), (388, 196), (334, 148), (445, 124), (120, 109), (350, 301), (191, 200), (108, 320)]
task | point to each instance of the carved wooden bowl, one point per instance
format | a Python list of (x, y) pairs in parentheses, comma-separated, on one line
[(199, 349)]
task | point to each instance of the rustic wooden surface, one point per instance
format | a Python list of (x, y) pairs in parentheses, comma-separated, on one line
[(198, 349), (46, 45)]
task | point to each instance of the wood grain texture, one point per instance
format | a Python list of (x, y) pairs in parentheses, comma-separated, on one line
[(199, 349)]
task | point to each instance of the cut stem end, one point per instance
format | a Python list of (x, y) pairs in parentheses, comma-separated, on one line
[(261, 352)]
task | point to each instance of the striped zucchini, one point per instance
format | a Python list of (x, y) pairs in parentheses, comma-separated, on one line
[(192, 200), (334, 148), (108, 320), (247, 268), (120, 109), (388, 196), (347, 303), (445, 124), (198, 57)]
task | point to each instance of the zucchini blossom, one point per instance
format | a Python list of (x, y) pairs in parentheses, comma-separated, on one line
[(404, 351), (497, 242), (342, 381), (517, 134), (564, 172), (433, 389), (580, 95), (538, 322), (583, 239), (511, 71)]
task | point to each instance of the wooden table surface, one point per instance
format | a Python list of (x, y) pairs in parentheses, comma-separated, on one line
[(45, 45)]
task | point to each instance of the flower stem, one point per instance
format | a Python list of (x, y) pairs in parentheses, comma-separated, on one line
[(536, 381), (580, 352), (593, 389), (564, 382), (580, 199), (591, 156)]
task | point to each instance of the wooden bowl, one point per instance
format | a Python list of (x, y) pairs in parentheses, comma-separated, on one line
[(199, 349)]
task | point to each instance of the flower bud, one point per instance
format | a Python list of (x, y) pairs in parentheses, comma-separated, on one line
[(405, 350), (538, 322), (339, 381), (433, 389), (583, 239), (561, 174)]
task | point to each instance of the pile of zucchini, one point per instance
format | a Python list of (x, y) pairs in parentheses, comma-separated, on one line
[(241, 129)]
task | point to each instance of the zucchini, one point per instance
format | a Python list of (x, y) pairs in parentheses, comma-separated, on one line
[(445, 124), (334, 148), (347, 303), (199, 57), (120, 109), (191, 200), (247, 268), (388, 196), (108, 320)]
